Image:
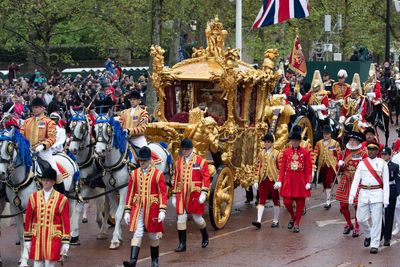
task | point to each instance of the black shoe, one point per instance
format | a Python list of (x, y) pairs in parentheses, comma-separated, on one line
[(275, 225), (154, 251), (84, 220), (374, 251), (290, 224), (182, 241), (296, 229), (256, 224), (386, 243), (248, 201), (327, 207), (347, 229), (134, 257), (60, 188), (367, 242), (74, 241), (204, 237)]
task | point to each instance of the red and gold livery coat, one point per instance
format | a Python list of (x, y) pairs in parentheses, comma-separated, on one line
[(47, 225), (135, 123), (268, 165), (39, 131), (328, 155), (340, 91), (351, 160), (190, 179), (295, 172), (146, 191)]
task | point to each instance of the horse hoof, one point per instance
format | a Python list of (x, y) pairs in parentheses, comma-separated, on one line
[(102, 236), (114, 245)]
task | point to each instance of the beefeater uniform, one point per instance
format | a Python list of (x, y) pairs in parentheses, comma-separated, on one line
[(340, 91), (47, 225), (351, 160), (146, 197), (135, 120), (294, 173), (371, 179)]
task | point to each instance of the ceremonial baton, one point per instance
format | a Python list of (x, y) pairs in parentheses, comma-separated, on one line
[(338, 173), (7, 113)]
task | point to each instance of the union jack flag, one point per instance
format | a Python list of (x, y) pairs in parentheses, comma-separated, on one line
[(277, 11)]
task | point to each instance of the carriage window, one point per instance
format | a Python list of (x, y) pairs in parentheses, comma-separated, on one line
[(252, 107), (239, 102)]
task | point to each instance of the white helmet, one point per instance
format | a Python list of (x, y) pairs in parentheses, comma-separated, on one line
[(342, 73)]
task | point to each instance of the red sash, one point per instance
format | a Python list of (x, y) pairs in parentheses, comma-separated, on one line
[(373, 172)]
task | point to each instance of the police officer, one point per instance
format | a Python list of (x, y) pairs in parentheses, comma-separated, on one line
[(394, 179)]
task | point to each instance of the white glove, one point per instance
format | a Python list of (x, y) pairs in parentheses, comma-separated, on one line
[(64, 249), (308, 186), (342, 119), (173, 200), (299, 96), (341, 163), (277, 185), (202, 197), (340, 101), (351, 200), (255, 186), (358, 117), (385, 204), (39, 148), (161, 216), (371, 95), (127, 218)]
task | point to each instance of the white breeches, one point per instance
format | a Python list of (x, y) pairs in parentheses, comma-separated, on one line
[(373, 211), (139, 141), (45, 263), (198, 219), (139, 231), (47, 155), (397, 212)]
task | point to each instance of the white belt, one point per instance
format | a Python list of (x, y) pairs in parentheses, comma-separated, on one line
[(392, 182)]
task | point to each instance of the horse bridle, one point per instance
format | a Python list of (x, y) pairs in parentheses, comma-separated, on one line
[(84, 130), (10, 152), (102, 137)]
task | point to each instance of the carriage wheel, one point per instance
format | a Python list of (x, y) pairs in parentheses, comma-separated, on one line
[(221, 197), (306, 125)]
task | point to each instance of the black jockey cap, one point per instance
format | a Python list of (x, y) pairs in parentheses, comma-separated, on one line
[(49, 173), (386, 150), (327, 129), (144, 153), (187, 143), (134, 95), (38, 102), (269, 137), (369, 130), (356, 135)]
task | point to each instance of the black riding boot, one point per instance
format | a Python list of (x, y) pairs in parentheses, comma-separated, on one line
[(60, 188), (154, 256), (204, 235), (134, 257), (182, 241)]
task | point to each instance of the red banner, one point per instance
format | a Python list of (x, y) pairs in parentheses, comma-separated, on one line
[(297, 61)]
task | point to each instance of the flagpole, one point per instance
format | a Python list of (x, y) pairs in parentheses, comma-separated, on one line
[(239, 26)]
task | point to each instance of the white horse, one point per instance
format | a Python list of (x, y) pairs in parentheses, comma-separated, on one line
[(17, 173), (113, 148), (80, 146)]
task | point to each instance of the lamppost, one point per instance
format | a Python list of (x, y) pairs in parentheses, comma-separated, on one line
[(387, 45)]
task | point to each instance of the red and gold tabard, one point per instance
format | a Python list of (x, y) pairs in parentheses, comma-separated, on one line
[(47, 225), (340, 91), (190, 178), (136, 123), (328, 153), (146, 191), (268, 165), (317, 98), (351, 160), (295, 172), (40, 130)]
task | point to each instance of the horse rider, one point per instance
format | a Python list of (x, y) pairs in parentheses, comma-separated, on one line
[(372, 87), (317, 98), (340, 89), (328, 82), (190, 189), (41, 134), (61, 136), (134, 120)]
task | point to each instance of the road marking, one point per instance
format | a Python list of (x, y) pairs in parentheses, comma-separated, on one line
[(229, 233), (328, 222)]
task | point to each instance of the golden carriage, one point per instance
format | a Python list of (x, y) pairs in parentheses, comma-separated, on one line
[(218, 101)]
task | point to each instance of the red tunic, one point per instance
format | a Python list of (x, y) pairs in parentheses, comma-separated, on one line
[(347, 109), (189, 180), (396, 146), (351, 160), (148, 192), (320, 97), (47, 225), (295, 172), (340, 91)]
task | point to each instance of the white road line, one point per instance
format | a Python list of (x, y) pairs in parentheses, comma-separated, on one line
[(230, 233)]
